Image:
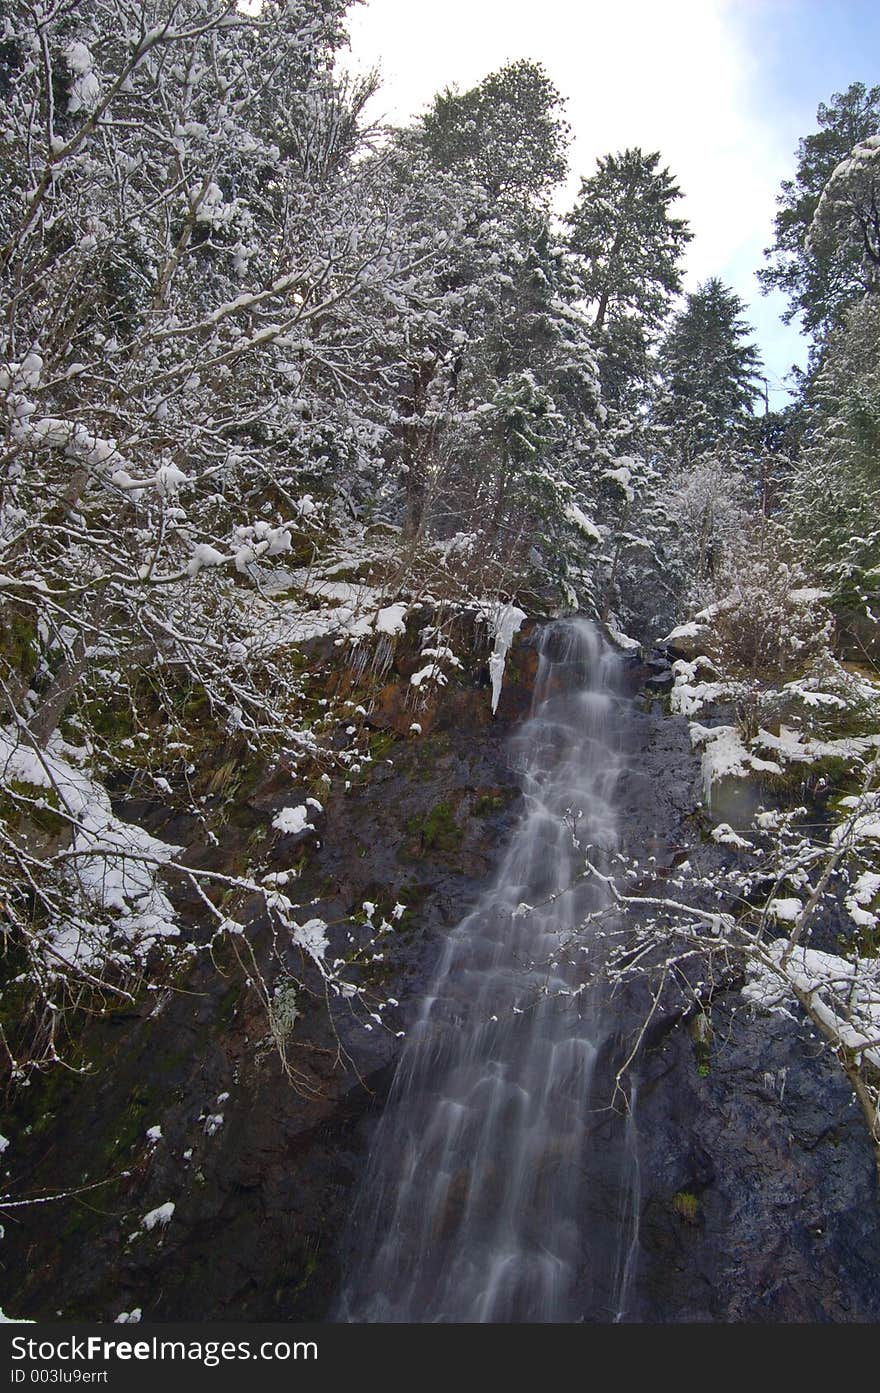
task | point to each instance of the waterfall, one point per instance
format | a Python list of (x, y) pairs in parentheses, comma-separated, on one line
[(502, 1184)]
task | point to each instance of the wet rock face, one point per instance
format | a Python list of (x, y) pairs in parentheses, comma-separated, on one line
[(260, 1167), (758, 1195), (760, 1201)]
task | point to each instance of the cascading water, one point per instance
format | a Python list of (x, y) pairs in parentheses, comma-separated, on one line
[(502, 1185)]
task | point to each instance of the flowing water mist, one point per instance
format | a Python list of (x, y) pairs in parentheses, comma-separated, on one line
[(501, 1185)]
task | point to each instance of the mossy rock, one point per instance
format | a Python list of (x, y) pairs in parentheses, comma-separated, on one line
[(493, 800), (686, 1205), (381, 743), (437, 830), (701, 1032)]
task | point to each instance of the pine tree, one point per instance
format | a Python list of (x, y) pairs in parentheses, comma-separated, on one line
[(834, 501), (496, 393), (845, 231), (820, 281), (710, 372), (507, 134), (629, 248)]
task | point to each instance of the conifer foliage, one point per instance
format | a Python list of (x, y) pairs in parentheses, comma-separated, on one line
[(710, 371)]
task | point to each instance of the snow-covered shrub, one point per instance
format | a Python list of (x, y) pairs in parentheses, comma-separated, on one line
[(767, 625)]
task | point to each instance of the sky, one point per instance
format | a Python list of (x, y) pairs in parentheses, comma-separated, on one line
[(724, 89)]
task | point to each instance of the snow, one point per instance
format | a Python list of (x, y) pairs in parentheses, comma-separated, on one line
[(154, 1134), (623, 640), (432, 673), (79, 58), (113, 864), (725, 835), (808, 595), (312, 937), (204, 555), (505, 622), (865, 891), (86, 89), (863, 819), (690, 693), (691, 630), (765, 766), (785, 909), (584, 525), (844, 994), (292, 821), (724, 754), (797, 748), (622, 476), (160, 1216), (391, 620)]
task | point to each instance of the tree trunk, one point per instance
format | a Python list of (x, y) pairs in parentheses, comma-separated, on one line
[(414, 450), (62, 687)]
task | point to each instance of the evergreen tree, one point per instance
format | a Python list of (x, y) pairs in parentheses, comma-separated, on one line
[(507, 134), (834, 502), (629, 249), (496, 398), (846, 226), (710, 372), (820, 280)]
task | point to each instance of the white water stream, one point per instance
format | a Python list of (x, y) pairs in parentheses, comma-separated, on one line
[(501, 1186)]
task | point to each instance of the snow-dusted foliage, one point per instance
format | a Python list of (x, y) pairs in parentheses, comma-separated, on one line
[(834, 500), (196, 271), (708, 502), (764, 641), (822, 274), (185, 297), (848, 211), (271, 378)]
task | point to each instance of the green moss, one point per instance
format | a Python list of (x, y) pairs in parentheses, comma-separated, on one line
[(865, 941), (428, 750), (381, 742), (128, 1127), (437, 830), (112, 719), (687, 1206), (700, 1031), (413, 897), (360, 572), (377, 974), (228, 1005), (40, 811), (492, 802), (306, 1273)]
